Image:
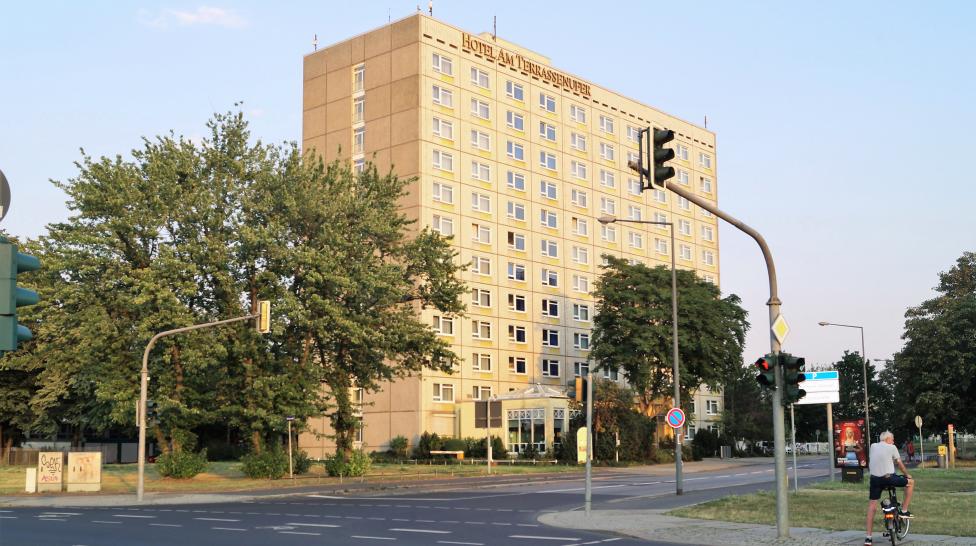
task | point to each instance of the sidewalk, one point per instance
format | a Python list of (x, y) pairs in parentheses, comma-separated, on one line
[(654, 525)]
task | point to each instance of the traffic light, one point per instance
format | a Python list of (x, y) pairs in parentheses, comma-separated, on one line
[(579, 391), (661, 156), (767, 371), (792, 377), (264, 316), (12, 297), (152, 412)]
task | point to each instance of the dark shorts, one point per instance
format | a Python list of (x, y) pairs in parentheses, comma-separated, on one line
[(879, 483)]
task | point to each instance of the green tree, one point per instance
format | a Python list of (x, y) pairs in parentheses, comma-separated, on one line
[(748, 409), (935, 372), (632, 330)]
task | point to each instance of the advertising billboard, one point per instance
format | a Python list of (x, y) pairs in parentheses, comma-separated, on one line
[(849, 444)]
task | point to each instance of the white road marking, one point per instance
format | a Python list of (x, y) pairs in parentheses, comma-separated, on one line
[(464, 543), (132, 516), (431, 531), (566, 539), (115, 522), (57, 513), (372, 538), (216, 519), (581, 488), (312, 525), (8, 517), (53, 519), (165, 525), (299, 533), (227, 529)]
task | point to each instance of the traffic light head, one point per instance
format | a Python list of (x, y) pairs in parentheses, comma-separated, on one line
[(793, 367), (264, 317), (767, 371), (12, 297), (662, 155)]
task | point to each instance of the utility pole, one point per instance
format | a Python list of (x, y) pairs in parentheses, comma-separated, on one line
[(589, 442)]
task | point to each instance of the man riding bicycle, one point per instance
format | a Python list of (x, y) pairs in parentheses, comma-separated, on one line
[(882, 458)]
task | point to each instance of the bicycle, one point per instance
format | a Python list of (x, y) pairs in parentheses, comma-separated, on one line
[(896, 527)]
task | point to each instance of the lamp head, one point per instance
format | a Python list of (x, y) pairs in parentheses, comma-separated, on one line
[(606, 219), (823, 323)]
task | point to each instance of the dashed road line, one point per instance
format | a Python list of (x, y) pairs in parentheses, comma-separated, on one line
[(228, 529), (372, 538), (218, 519), (464, 543), (300, 533), (165, 525), (430, 531), (312, 525), (534, 537), (132, 516), (99, 521)]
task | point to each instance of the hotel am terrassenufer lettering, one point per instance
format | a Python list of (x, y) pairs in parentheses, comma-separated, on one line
[(533, 68)]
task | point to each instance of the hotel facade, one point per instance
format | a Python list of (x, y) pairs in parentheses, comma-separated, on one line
[(515, 159)]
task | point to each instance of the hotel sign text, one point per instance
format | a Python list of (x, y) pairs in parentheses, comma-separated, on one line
[(501, 56)]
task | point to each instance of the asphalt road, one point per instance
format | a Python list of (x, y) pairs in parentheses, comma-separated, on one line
[(503, 513)]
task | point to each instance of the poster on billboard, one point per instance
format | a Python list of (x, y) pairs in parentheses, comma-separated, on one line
[(849, 447)]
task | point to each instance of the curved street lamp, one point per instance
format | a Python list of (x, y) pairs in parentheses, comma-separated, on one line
[(864, 362)]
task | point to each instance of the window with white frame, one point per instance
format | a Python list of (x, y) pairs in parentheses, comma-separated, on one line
[(481, 265), (358, 140), (660, 246), (481, 362), (581, 368), (481, 297), (684, 203), (443, 392), (547, 131), (581, 341), (581, 283), (443, 325), (660, 196), (704, 160), (661, 218), (550, 248), (516, 302), (515, 121), (708, 257), (517, 334), (358, 78), (608, 179), (359, 109), (709, 278), (606, 151), (442, 225), (442, 193), (516, 241), (578, 169), (480, 233), (516, 272), (632, 157), (682, 176), (515, 181), (516, 364), (442, 128), (548, 218), (633, 212), (580, 226), (547, 160), (359, 165), (578, 198), (635, 240), (550, 278), (685, 252), (514, 90), (443, 161), (516, 211), (443, 64), (550, 308), (608, 206), (547, 102), (577, 113), (550, 338), (443, 97), (610, 374), (706, 184), (608, 233), (515, 150), (581, 312), (705, 213), (480, 109), (577, 142), (479, 77), (548, 189), (480, 202), (606, 124), (707, 233), (581, 255), (480, 140), (684, 227), (550, 367), (633, 186), (480, 329), (711, 407), (633, 133), (480, 392), (480, 171), (681, 152)]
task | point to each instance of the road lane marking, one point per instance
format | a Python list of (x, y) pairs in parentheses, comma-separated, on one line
[(8, 517), (228, 529), (99, 521), (431, 531), (313, 525), (56, 513), (132, 516), (165, 525), (372, 538), (217, 519), (533, 537), (463, 543), (298, 533)]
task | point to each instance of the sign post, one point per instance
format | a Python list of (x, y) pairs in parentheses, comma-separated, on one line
[(921, 441), (821, 388), (291, 468)]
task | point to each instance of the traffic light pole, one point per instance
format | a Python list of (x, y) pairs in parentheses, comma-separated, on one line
[(144, 391), (779, 427)]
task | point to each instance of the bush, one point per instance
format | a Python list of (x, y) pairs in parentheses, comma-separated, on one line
[(181, 464), (705, 444), (428, 442), (474, 448), (398, 446), (453, 444), (358, 464), (301, 462), (271, 464)]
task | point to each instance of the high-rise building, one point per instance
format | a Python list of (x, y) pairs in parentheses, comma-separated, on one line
[(515, 159)]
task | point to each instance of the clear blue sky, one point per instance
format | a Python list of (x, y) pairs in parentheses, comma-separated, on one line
[(843, 128)]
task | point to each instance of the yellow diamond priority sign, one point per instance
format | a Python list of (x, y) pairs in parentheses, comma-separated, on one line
[(780, 329)]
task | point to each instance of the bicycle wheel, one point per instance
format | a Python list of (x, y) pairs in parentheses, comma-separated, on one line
[(903, 528)]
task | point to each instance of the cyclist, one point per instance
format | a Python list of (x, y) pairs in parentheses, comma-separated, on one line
[(882, 457)]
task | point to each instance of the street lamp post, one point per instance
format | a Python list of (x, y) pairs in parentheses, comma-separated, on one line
[(864, 362), (679, 489)]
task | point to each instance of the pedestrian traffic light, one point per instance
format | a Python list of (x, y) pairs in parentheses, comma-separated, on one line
[(11, 296), (792, 377), (264, 316), (767, 371), (662, 155)]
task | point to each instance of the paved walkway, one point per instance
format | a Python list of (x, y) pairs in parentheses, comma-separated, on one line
[(654, 525)]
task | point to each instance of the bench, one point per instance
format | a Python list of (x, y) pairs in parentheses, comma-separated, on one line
[(457, 454)]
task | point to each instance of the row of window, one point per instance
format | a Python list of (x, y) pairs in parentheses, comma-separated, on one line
[(547, 103), (482, 330), (444, 391)]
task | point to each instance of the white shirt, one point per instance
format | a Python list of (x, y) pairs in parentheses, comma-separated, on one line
[(882, 459)]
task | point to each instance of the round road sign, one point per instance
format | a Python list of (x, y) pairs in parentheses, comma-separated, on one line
[(676, 418)]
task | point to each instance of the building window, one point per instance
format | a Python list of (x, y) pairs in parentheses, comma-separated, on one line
[(606, 124), (707, 233), (516, 364), (709, 278), (480, 109), (708, 257), (481, 233), (481, 329), (550, 249), (608, 206), (550, 367), (681, 152), (610, 374), (515, 121), (515, 151), (606, 151), (706, 185), (480, 265), (516, 211), (547, 189), (358, 140), (480, 392), (444, 392), (443, 65), (443, 128), (443, 325), (443, 161), (526, 427), (548, 219), (581, 341), (608, 233), (547, 131), (580, 369), (581, 283), (480, 140), (550, 308), (516, 241), (662, 219), (480, 171), (577, 142), (550, 278), (516, 302), (711, 407), (517, 334), (443, 193), (636, 240), (444, 226), (581, 312), (578, 198), (479, 77), (684, 203), (514, 91), (547, 160), (359, 78), (443, 97), (633, 186), (704, 160), (359, 109), (516, 272), (581, 255), (516, 181), (684, 227), (706, 214), (577, 113), (481, 362), (608, 179), (580, 227), (660, 246), (480, 202), (578, 169), (685, 252), (660, 196), (481, 297), (359, 165), (633, 212), (547, 102), (633, 133)]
